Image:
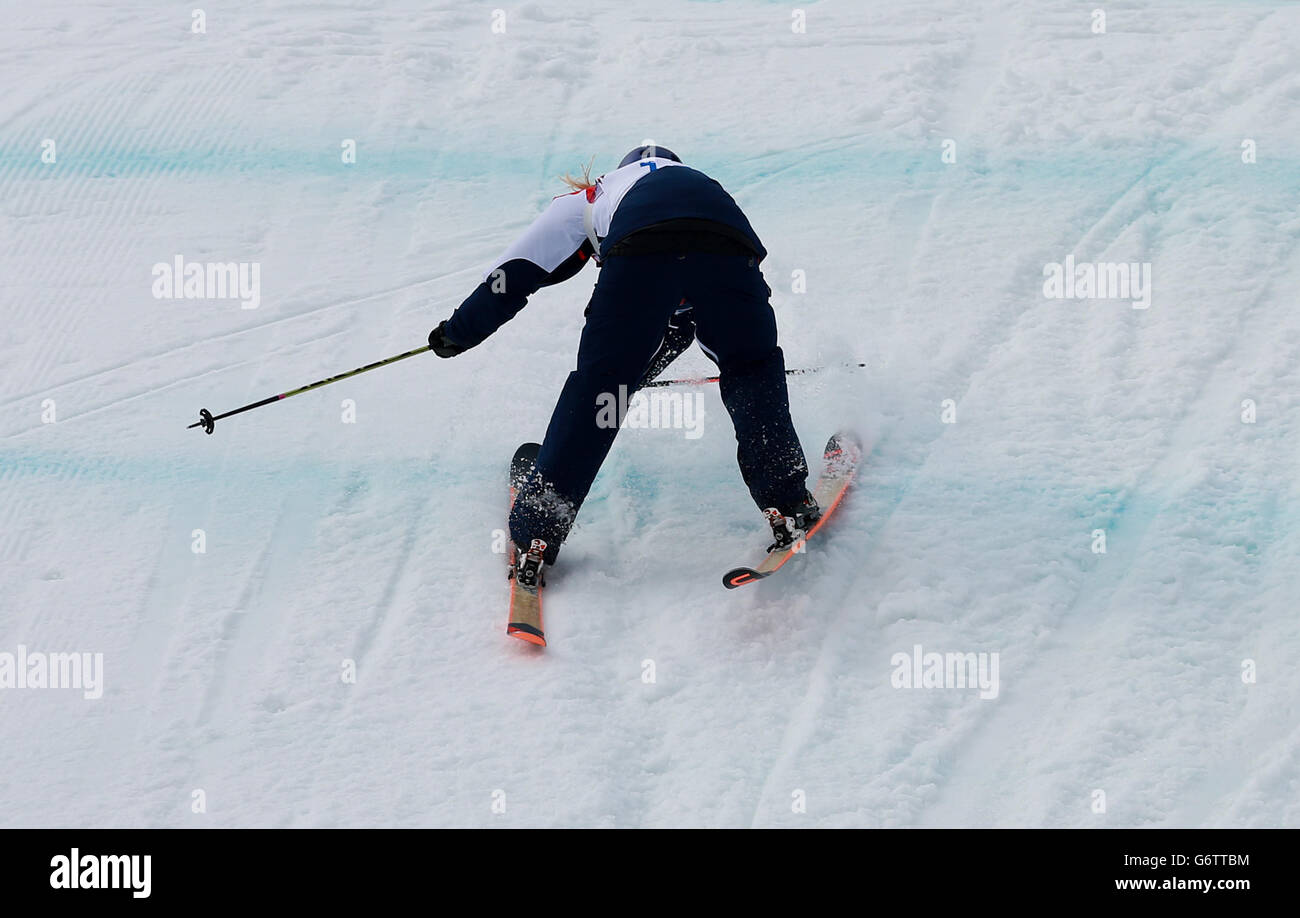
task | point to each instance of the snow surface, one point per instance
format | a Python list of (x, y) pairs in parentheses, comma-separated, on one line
[(372, 542)]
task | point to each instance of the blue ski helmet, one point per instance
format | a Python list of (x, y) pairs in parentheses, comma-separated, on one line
[(648, 152)]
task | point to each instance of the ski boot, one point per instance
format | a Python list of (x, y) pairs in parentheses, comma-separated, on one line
[(787, 529)]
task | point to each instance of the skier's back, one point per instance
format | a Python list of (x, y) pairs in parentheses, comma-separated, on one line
[(678, 259)]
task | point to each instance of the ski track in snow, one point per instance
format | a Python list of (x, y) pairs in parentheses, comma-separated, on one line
[(329, 544)]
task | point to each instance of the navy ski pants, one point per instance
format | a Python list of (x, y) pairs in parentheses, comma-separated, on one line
[(629, 310)]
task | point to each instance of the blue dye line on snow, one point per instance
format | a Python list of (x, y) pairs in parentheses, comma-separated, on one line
[(854, 160), (880, 489)]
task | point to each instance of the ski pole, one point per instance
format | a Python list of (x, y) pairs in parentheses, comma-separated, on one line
[(702, 380), (207, 419)]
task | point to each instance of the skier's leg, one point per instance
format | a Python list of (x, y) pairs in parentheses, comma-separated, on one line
[(737, 329), (629, 310)]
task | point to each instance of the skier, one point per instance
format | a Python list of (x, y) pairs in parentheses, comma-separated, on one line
[(679, 262)]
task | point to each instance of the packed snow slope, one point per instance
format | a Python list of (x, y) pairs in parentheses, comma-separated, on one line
[(1007, 432)]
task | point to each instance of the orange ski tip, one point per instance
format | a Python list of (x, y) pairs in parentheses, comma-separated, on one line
[(738, 577), (526, 633)]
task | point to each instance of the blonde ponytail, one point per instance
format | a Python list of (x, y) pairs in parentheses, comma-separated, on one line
[(582, 182)]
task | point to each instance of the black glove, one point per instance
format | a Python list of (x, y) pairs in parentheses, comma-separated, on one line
[(441, 345), (679, 335)]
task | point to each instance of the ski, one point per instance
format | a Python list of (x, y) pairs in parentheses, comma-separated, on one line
[(841, 457), (525, 581)]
